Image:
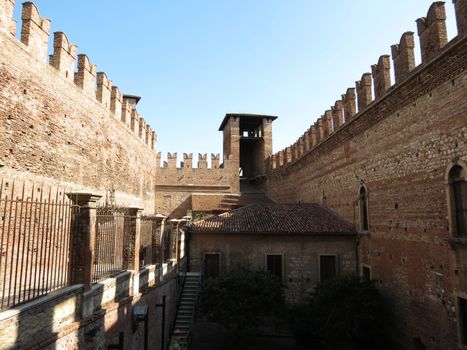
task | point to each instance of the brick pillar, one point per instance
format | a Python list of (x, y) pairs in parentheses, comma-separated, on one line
[(157, 251), (132, 244), (432, 31), (403, 56), (84, 238), (461, 16), (364, 91), (133, 238)]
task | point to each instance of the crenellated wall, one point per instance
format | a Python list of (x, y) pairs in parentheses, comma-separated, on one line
[(75, 126), (398, 146), (175, 185), (373, 86)]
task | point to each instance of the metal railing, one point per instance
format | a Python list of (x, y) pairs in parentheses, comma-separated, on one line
[(112, 225), (35, 226), (151, 250)]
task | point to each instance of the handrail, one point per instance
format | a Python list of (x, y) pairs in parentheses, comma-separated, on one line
[(197, 301), (181, 265)]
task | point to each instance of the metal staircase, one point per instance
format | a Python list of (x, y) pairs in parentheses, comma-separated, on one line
[(187, 306)]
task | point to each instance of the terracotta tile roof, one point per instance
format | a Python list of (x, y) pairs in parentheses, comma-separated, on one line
[(276, 218)]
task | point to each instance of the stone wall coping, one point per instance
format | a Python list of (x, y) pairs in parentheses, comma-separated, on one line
[(17, 310)]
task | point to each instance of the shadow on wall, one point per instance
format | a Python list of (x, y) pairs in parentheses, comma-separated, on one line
[(182, 209), (38, 323)]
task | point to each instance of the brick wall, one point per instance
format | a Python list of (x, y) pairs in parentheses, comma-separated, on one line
[(399, 147), (301, 255), (175, 185), (58, 127), (57, 321)]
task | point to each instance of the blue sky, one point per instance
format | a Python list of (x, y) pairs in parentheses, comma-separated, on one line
[(193, 61)]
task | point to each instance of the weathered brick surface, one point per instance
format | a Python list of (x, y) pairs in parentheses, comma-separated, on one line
[(56, 323), (175, 185), (399, 148), (53, 130)]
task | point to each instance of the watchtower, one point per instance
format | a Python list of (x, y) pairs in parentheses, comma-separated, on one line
[(248, 142)]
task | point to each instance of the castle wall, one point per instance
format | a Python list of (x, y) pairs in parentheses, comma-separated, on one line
[(399, 147), (62, 126), (175, 185), (56, 321)]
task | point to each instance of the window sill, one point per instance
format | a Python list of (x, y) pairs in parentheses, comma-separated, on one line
[(457, 241)]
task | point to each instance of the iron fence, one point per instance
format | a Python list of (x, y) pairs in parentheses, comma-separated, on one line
[(112, 226), (35, 226), (151, 249)]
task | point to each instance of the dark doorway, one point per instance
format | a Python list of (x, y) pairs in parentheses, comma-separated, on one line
[(212, 265), (274, 264)]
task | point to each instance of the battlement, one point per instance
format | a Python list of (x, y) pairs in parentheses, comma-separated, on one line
[(187, 163), (35, 35), (432, 37), (7, 23)]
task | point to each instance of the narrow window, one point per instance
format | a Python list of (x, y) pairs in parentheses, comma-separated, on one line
[(274, 264), (212, 265), (458, 194), (363, 203), (463, 320), (327, 267), (366, 273)]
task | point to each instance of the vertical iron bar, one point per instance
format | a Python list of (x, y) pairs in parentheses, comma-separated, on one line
[(68, 239), (7, 244), (5, 202), (54, 250), (13, 253), (40, 239), (42, 260), (32, 223), (20, 257), (45, 280), (63, 241)]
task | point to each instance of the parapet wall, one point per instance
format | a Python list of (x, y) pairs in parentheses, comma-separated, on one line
[(67, 126), (373, 87), (175, 184), (398, 149)]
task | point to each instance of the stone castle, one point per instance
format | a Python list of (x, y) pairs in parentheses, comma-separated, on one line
[(389, 157)]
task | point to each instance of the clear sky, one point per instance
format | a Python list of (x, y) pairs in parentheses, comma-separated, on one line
[(193, 61)]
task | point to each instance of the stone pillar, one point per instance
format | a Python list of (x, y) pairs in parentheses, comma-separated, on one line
[(83, 240)]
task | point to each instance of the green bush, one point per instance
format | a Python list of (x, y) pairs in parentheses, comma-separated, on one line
[(342, 313), (241, 297)]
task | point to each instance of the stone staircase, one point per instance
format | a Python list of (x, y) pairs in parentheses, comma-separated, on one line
[(184, 317), (249, 194)]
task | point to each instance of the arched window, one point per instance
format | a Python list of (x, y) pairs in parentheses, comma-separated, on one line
[(458, 200), (363, 204)]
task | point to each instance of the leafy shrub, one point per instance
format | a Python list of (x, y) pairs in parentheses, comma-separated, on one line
[(342, 313), (241, 297)]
